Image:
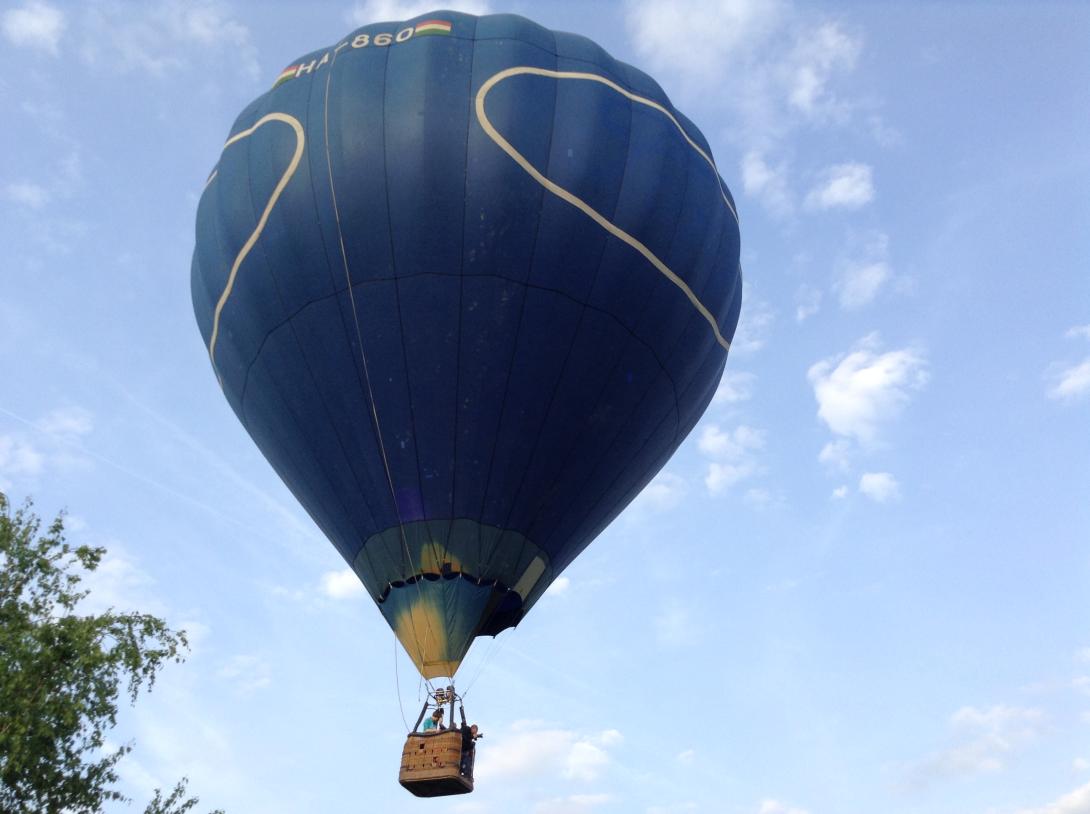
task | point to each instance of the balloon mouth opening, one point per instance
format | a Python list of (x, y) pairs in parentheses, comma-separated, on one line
[(437, 619)]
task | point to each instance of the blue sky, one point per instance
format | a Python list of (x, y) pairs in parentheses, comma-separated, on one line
[(862, 583)]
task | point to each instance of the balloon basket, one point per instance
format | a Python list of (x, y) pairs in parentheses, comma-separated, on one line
[(431, 765)]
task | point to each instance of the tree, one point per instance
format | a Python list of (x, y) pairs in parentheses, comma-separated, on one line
[(63, 671)]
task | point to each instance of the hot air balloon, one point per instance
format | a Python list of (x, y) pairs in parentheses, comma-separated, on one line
[(468, 283)]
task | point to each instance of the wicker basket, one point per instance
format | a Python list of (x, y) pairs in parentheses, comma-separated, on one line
[(431, 765)]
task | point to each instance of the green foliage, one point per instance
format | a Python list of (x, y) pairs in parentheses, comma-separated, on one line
[(62, 672), (175, 803)]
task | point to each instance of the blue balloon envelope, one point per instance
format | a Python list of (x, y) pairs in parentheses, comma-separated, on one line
[(468, 283)]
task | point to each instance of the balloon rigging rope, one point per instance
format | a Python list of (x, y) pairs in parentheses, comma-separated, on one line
[(397, 682), (493, 648), (366, 373)]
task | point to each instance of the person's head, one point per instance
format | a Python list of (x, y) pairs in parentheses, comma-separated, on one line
[(437, 715), (473, 729)]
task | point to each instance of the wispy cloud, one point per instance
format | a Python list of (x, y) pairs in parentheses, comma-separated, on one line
[(862, 276), (837, 454), (376, 11), (246, 672), (531, 750), (120, 582), (560, 586), (572, 804), (342, 584), (57, 446), (754, 326), (27, 194), (777, 68), (842, 186), (1070, 381), (18, 459), (1074, 802), (67, 421), (734, 387), (771, 806), (161, 38), (817, 57), (807, 302), (731, 31), (666, 491), (984, 740), (767, 183), (881, 487), (732, 454), (859, 391), (34, 25)]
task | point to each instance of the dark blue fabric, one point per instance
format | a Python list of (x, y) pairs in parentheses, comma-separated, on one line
[(434, 351)]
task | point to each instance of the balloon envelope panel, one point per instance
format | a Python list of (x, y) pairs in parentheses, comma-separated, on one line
[(468, 283)]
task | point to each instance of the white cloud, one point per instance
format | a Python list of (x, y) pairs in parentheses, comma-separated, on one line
[(840, 492), (818, 56), (836, 454), (776, 69), (163, 38), (732, 453), (1075, 802), (760, 498), (728, 31), (729, 445), (686, 756), (26, 194), (1080, 764), (530, 750), (807, 302), (859, 391), (684, 807), (858, 285), (861, 277), (377, 11), (120, 582), (766, 183), (776, 807), (572, 804), (984, 740), (58, 446), (881, 487), (560, 585), (34, 25), (1070, 382), (754, 325), (666, 491), (67, 421), (842, 186), (247, 672), (342, 584), (18, 459), (721, 477), (734, 387)]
